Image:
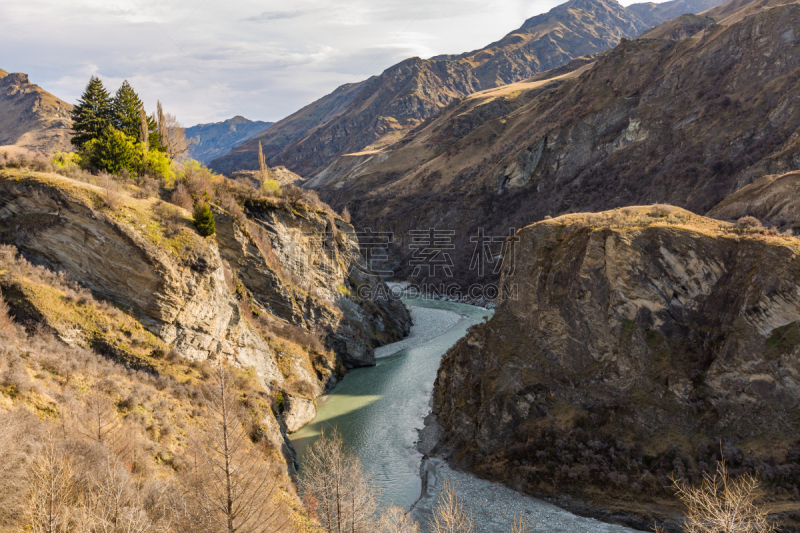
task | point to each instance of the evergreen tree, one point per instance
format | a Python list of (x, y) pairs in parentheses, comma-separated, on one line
[(156, 142), (113, 152), (92, 114), (204, 220), (126, 107)]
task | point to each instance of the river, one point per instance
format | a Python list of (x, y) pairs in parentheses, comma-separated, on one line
[(380, 410)]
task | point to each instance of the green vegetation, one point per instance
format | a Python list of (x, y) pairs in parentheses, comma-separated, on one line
[(113, 152), (115, 135), (92, 114), (204, 220)]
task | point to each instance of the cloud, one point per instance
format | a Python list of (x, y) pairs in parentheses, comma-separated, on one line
[(268, 16), (236, 58)]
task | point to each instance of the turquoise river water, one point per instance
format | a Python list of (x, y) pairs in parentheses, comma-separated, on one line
[(379, 409)]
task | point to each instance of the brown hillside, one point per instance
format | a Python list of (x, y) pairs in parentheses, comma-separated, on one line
[(31, 119), (680, 28), (771, 199), (388, 106), (685, 123)]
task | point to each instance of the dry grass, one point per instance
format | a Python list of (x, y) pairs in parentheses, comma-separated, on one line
[(6, 319), (639, 217), (137, 419)]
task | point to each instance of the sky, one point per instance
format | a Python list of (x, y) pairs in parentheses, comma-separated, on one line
[(209, 60)]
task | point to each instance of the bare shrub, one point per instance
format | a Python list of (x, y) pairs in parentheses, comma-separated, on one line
[(182, 198), (336, 489), (230, 489), (148, 187), (724, 504), (346, 215), (660, 211), (16, 377), (6, 319), (749, 222), (397, 520), (112, 196), (51, 489), (449, 515), (98, 420), (520, 525)]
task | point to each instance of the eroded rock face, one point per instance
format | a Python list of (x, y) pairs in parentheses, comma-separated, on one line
[(298, 412), (306, 268), (180, 297), (639, 340)]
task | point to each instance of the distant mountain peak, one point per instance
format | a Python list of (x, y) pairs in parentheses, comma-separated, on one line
[(31, 119), (213, 140)]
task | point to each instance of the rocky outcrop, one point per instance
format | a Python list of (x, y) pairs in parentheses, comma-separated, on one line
[(31, 119), (631, 346), (297, 412), (174, 286), (771, 199), (304, 266)]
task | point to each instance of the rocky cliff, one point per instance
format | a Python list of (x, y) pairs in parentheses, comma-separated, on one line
[(385, 108), (636, 344), (174, 286), (304, 267), (258, 294), (31, 119), (683, 122)]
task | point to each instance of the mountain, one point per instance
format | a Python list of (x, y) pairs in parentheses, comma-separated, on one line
[(382, 110), (31, 119), (654, 14), (209, 141), (680, 122), (639, 344)]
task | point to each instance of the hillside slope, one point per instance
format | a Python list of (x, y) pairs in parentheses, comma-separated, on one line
[(31, 119), (385, 108), (210, 141), (771, 199), (279, 276), (639, 343), (681, 122)]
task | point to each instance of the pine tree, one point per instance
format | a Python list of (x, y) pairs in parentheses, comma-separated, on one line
[(113, 152), (126, 107), (92, 114), (204, 220), (156, 142)]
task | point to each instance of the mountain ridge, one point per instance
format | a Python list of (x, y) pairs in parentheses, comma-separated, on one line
[(511, 156), (385, 108)]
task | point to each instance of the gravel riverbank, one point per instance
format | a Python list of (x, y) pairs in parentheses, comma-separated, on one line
[(494, 506)]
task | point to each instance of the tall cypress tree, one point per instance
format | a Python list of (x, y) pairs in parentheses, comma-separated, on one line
[(92, 114), (126, 107)]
